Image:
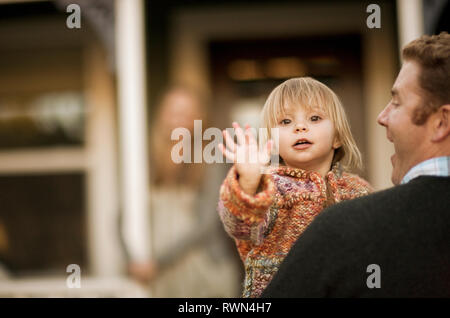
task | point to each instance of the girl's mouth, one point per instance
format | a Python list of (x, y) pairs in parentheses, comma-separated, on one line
[(302, 144)]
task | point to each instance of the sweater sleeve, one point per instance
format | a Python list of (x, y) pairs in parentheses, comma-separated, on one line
[(245, 217)]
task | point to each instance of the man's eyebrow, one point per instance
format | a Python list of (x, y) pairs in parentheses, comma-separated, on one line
[(394, 92)]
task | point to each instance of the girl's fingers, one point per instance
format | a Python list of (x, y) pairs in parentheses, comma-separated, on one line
[(249, 133), (269, 146), (229, 141), (239, 133), (227, 153), (266, 152)]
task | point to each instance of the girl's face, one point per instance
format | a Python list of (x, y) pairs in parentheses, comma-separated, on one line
[(307, 139)]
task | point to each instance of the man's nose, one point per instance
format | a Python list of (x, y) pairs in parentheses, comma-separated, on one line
[(382, 117)]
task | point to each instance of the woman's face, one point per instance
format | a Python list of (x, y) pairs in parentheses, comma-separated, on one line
[(179, 110)]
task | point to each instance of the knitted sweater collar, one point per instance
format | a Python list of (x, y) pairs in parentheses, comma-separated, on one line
[(336, 170)]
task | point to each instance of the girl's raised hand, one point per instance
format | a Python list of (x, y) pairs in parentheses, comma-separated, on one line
[(248, 159)]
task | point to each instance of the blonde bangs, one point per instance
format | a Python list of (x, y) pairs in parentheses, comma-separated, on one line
[(311, 94)]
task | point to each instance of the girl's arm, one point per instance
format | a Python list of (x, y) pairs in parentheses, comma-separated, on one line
[(246, 217)]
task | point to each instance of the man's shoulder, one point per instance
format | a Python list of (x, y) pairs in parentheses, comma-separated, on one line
[(393, 228), (390, 204), (363, 205), (421, 186)]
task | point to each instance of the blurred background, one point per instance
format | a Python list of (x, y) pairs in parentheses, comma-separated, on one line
[(86, 116)]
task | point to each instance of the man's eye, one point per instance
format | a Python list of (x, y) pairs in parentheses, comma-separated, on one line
[(285, 121), (315, 118)]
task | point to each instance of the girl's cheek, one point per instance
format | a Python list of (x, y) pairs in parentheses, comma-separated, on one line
[(282, 146)]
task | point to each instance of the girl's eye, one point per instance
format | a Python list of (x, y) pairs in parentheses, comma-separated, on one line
[(315, 118), (285, 121)]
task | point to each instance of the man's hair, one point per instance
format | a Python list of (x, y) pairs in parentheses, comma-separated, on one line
[(432, 54)]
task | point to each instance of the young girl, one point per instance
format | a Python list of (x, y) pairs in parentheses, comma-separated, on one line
[(266, 213)]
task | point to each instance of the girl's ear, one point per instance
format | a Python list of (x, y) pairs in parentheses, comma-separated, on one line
[(337, 143)]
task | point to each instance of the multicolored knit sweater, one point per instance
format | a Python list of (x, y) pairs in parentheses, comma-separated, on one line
[(266, 225)]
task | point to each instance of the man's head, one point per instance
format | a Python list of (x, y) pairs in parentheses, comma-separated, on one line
[(417, 118)]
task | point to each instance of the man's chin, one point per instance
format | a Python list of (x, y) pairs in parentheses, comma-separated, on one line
[(393, 160), (395, 179), (395, 174)]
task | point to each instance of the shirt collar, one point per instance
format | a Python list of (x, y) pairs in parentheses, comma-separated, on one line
[(439, 166)]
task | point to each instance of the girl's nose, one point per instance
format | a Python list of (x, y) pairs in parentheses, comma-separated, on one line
[(301, 127)]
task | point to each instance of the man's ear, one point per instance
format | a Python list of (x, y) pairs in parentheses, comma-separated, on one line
[(441, 124)]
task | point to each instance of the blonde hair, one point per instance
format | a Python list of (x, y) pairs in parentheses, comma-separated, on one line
[(312, 94)]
